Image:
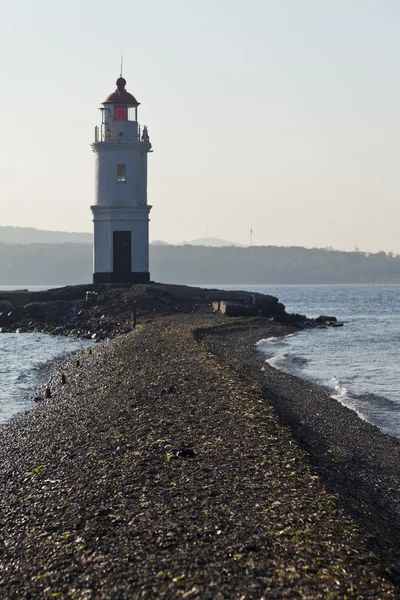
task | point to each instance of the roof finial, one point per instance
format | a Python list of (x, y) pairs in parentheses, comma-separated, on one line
[(122, 62)]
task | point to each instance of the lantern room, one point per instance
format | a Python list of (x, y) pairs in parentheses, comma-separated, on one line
[(119, 117)]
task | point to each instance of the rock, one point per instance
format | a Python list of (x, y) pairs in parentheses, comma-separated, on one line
[(59, 330), (83, 315), (6, 306), (169, 390), (269, 306), (308, 324), (293, 320), (38, 399), (7, 318), (235, 309), (91, 298), (47, 310), (325, 319), (186, 452), (252, 310), (35, 310)]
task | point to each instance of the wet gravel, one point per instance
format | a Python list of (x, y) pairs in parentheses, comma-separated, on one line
[(169, 465)]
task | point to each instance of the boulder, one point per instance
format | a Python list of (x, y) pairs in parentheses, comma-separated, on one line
[(6, 306), (270, 307), (325, 319), (47, 310), (232, 309), (292, 320), (7, 318)]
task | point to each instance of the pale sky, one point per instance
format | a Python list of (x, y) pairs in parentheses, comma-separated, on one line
[(278, 115)]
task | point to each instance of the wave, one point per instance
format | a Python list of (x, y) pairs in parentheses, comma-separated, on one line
[(276, 361), (378, 402), (360, 372), (289, 363), (340, 391), (266, 341)]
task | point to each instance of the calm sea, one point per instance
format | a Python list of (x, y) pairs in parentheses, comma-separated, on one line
[(25, 363), (358, 364)]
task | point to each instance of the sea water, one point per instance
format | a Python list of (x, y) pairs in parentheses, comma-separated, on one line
[(25, 363), (358, 364)]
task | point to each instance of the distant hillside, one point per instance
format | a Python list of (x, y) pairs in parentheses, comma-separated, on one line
[(211, 241), (45, 264), (30, 235), (61, 264), (270, 265)]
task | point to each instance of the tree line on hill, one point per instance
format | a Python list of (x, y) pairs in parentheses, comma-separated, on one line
[(31, 235), (71, 263)]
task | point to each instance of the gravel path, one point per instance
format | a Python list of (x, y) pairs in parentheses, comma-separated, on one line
[(159, 470)]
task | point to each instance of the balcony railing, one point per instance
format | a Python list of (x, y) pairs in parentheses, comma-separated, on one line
[(104, 134)]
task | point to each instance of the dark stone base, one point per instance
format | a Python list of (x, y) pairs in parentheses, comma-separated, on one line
[(114, 278)]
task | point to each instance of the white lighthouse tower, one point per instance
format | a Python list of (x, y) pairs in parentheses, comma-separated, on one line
[(121, 212)]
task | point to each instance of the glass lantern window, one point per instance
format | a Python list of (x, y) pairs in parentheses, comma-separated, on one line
[(132, 113), (121, 113)]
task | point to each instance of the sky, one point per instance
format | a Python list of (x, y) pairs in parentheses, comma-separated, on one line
[(280, 116)]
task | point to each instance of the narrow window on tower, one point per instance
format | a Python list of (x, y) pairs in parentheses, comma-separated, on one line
[(121, 172)]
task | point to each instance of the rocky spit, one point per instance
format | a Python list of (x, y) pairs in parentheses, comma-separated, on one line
[(103, 311), (171, 462)]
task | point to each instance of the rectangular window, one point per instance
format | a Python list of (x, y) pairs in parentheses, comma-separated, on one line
[(121, 172)]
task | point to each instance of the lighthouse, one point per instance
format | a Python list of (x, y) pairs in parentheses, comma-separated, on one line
[(120, 210)]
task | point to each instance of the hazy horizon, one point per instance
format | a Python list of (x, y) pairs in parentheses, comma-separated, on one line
[(43, 236), (276, 117)]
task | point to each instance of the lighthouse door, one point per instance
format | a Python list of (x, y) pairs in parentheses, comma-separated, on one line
[(122, 256)]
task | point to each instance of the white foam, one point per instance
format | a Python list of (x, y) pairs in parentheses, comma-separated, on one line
[(340, 392), (277, 361), (333, 382), (265, 341)]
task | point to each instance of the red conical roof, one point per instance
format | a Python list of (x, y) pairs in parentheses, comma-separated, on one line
[(121, 96)]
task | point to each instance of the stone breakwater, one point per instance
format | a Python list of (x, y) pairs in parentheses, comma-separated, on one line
[(168, 465)]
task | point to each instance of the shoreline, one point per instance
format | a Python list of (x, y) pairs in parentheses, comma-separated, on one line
[(357, 459), (347, 400), (161, 468), (35, 369)]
